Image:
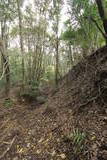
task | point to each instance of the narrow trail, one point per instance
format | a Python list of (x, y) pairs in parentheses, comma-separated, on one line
[(38, 132)]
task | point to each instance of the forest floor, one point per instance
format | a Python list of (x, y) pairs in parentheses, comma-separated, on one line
[(33, 134), (71, 125)]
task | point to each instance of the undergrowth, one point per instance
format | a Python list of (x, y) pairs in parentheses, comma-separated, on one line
[(8, 103)]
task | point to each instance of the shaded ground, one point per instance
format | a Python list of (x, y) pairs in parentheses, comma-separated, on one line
[(78, 105)]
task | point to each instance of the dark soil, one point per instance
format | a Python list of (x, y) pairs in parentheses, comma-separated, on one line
[(78, 105)]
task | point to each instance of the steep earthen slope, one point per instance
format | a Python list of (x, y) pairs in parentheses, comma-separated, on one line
[(84, 91)]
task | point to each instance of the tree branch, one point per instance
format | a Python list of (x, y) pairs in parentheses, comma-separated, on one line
[(7, 150), (95, 22)]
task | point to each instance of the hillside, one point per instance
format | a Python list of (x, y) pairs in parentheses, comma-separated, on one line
[(71, 125)]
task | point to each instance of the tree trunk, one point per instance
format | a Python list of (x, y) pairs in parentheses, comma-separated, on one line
[(57, 62), (21, 43), (5, 60), (6, 68), (29, 61), (103, 16), (57, 47)]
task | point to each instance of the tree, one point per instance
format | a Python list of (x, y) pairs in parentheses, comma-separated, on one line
[(56, 20), (102, 13), (6, 68), (21, 41), (6, 11)]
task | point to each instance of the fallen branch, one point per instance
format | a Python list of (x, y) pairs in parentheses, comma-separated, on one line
[(6, 143), (4, 124), (8, 149), (86, 103)]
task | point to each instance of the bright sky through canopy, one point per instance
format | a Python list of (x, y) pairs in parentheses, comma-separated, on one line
[(63, 12)]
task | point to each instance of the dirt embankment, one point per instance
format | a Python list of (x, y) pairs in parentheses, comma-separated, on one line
[(71, 125)]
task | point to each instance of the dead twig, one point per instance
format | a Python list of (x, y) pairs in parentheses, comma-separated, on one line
[(4, 123), (90, 100), (8, 149), (4, 143)]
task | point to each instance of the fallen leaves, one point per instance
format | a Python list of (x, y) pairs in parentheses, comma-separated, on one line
[(63, 156), (53, 153), (38, 151), (41, 140), (93, 138)]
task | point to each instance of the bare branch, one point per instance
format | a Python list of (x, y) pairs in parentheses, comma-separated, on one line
[(7, 150)]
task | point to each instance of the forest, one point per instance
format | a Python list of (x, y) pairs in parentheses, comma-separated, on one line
[(53, 79)]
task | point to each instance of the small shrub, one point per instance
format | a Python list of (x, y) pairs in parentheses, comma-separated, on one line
[(78, 141), (8, 103), (29, 94), (75, 145)]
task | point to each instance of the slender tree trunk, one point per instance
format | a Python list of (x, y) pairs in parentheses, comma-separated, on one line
[(29, 61), (57, 12), (21, 43), (57, 62), (70, 55), (5, 60), (57, 47), (7, 70), (103, 15)]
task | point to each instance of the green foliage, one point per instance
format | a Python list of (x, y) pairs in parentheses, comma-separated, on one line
[(69, 35), (48, 76), (8, 103), (82, 32), (29, 94), (7, 9), (78, 141)]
